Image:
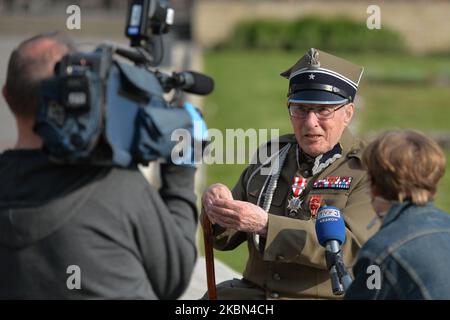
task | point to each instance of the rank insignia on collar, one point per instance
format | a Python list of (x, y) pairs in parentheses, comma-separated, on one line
[(298, 185), (333, 183), (314, 204)]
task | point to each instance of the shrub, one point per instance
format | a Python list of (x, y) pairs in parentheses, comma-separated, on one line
[(338, 34)]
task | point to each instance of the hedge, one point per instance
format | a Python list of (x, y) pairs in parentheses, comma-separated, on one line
[(338, 34)]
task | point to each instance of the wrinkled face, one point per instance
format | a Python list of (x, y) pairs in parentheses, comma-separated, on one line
[(317, 136)]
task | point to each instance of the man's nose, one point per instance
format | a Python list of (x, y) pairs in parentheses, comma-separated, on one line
[(311, 120)]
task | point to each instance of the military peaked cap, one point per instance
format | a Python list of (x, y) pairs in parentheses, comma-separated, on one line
[(321, 78)]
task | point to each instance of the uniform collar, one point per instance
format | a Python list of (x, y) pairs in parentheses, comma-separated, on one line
[(348, 145), (320, 162)]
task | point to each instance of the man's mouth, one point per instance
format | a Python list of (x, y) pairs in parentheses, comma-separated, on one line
[(313, 136)]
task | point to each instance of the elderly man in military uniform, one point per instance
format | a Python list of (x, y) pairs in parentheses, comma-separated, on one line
[(320, 164)]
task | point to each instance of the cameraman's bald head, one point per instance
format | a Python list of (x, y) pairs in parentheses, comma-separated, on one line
[(33, 61)]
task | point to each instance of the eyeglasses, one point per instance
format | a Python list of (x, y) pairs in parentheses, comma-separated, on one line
[(322, 113)]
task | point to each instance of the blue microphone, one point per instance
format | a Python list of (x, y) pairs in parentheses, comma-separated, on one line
[(330, 225), (330, 231)]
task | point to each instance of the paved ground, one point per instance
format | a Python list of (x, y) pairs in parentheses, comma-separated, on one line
[(198, 286)]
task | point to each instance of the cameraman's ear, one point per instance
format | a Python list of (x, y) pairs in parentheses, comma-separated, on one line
[(5, 93)]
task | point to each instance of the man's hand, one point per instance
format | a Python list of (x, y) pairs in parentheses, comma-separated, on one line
[(238, 215), (214, 192)]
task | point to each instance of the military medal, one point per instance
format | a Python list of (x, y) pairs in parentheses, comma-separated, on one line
[(294, 204), (298, 185), (333, 183), (314, 204)]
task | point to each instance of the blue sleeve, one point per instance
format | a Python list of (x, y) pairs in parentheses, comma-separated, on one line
[(395, 282), (359, 289)]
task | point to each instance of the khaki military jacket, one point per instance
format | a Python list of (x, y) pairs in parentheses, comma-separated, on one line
[(289, 262)]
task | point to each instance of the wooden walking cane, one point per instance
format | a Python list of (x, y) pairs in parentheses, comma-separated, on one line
[(209, 256)]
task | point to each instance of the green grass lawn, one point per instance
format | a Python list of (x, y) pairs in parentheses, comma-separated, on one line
[(250, 94), (400, 106), (406, 67)]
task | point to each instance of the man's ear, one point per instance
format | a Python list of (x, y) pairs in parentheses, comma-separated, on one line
[(6, 96), (349, 109)]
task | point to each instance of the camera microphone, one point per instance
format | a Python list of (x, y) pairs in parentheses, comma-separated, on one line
[(193, 82), (188, 81)]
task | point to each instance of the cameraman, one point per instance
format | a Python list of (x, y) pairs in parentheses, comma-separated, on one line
[(80, 231)]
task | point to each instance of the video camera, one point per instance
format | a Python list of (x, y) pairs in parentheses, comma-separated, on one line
[(101, 110)]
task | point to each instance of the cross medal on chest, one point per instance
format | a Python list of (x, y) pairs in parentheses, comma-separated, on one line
[(298, 185)]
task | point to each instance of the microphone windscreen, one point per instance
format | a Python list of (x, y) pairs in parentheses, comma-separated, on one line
[(201, 85), (330, 225)]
